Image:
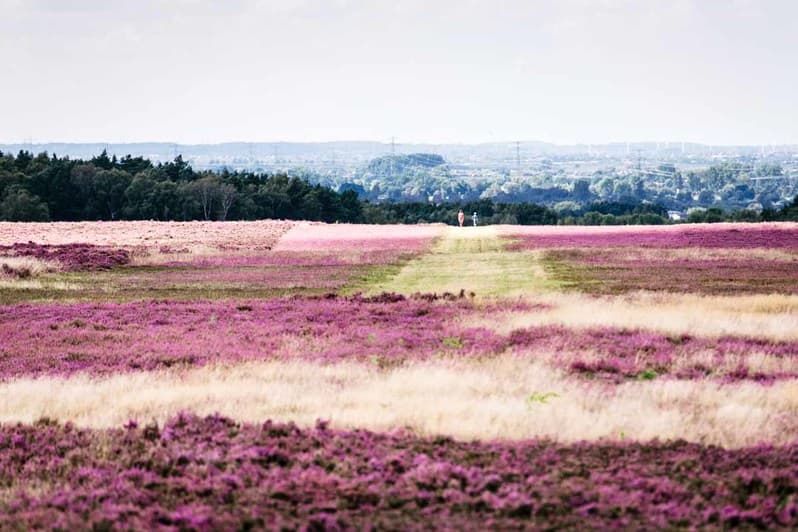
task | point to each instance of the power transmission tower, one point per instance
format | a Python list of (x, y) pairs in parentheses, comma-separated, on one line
[(518, 156)]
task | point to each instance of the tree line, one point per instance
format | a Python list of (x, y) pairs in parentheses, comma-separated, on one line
[(51, 188)]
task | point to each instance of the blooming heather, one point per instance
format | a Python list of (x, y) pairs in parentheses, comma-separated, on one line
[(735, 236), (106, 338), (618, 354), (62, 339), (71, 257), (311, 277), (212, 473), (607, 271)]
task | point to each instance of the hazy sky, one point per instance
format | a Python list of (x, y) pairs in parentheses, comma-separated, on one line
[(711, 71)]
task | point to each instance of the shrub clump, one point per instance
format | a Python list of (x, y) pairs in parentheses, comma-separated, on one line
[(72, 257), (213, 473)]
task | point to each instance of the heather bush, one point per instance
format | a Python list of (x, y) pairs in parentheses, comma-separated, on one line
[(213, 473), (63, 339), (607, 271), (386, 329), (730, 236), (72, 257), (619, 354)]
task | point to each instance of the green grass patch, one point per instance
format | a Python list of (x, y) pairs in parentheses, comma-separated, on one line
[(474, 260), (541, 397), (369, 277), (566, 274), (647, 375)]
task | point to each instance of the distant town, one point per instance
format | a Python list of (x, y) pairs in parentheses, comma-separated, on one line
[(464, 160), (676, 176)]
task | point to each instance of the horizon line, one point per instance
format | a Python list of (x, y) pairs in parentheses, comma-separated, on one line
[(388, 142)]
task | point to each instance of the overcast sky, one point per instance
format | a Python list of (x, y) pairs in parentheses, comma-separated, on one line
[(190, 71)]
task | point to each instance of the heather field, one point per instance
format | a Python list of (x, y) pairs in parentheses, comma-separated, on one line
[(296, 375), (127, 261)]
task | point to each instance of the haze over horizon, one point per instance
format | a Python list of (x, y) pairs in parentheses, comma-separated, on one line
[(573, 71)]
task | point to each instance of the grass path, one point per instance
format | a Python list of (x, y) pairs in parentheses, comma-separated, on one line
[(474, 260)]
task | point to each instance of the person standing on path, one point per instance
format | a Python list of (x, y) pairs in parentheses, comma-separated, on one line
[(460, 217), (474, 217)]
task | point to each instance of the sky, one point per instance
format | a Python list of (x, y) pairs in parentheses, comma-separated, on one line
[(441, 71)]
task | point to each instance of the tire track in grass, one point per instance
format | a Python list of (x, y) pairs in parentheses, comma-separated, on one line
[(474, 260)]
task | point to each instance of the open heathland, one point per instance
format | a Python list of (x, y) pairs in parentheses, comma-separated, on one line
[(387, 330), (200, 260), (173, 376)]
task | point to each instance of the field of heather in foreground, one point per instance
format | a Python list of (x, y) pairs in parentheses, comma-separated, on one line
[(173, 375), (213, 473)]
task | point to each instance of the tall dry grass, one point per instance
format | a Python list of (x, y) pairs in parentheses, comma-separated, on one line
[(486, 399), (127, 234), (16, 267), (768, 316)]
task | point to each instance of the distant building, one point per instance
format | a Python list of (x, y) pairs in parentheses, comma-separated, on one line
[(677, 216)]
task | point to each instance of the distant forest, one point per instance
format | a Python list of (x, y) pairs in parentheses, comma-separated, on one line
[(743, 184), (48, 188)]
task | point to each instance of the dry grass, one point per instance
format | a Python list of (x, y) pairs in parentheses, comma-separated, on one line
[(155, 256), (467, 399), (487, 399), (149, 234), (32, 265), (38, 284), (773, 316)]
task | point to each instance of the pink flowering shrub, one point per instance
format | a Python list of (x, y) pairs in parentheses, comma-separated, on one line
[(310, 277), (106, 338), (72, 257), (310, 257), (732, 236), (213, 473), (617, 354), (62, 339), (606, 271)]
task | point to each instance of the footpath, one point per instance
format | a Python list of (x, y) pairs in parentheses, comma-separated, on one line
[(472, 259)]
